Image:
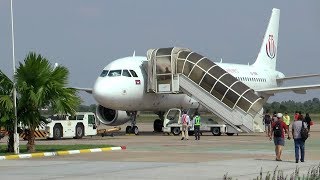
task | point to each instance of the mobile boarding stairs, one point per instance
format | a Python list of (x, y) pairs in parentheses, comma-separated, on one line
[(179, 70)]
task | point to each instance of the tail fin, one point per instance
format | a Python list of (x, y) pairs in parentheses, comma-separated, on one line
[(267, 56)]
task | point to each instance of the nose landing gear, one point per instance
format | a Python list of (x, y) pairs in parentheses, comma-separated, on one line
[(133, 129)]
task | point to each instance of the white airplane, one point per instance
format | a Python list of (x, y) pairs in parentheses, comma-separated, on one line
[(121, 89)]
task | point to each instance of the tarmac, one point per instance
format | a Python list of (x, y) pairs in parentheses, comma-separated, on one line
[(158, 156)]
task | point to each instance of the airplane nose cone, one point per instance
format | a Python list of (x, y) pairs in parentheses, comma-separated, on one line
[(100, 92)]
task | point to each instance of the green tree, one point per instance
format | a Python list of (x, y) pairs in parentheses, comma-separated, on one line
[(6, 108), (40, 85)]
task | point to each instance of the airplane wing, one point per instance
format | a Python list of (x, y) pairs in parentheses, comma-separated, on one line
[(88, 90), (296, 89), (298, 77)]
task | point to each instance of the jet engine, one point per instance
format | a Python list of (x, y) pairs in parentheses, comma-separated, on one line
[(112, 117)]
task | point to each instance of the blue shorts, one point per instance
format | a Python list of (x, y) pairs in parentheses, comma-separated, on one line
[(278, 141)]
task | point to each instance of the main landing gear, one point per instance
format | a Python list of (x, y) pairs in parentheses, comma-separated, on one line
[(133, 128), (158, 123)]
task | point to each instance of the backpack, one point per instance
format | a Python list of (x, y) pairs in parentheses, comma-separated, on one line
[(277, 130), (304, 132)]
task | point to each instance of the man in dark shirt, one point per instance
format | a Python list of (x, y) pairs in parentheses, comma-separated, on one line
[(267, 123)]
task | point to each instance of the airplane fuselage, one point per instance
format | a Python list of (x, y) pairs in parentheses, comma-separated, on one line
[(130, 93)]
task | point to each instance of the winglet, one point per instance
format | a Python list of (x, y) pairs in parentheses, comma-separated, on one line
[(134, 54)]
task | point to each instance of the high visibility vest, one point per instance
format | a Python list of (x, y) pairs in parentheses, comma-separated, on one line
[(286, 119), (197, 121)]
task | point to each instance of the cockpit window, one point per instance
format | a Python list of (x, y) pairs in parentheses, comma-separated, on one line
[(104, 73), (134, 74), (126, 73), (113, 73)]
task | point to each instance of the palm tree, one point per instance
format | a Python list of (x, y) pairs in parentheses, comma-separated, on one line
[(6, 108), (40, 85)]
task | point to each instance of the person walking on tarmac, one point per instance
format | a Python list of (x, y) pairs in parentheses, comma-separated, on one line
[(196, 120), (277, 131), (286, 119), (185, 123), (298, 141), (267, 123)]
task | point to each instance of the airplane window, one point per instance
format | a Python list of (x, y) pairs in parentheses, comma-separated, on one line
[(104, 73), (126, 73), (134, 74), (113, 73)]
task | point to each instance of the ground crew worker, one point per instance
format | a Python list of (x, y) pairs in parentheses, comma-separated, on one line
[(185, 123), (196, 120), (286, 119)]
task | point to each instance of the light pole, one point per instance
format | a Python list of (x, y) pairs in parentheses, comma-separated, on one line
[(16, 135)]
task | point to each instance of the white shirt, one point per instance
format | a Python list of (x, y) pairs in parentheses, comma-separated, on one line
[(296, 127), (185, 119)]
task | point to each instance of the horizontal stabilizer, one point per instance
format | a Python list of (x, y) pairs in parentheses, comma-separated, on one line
[(296, 89), (298, 77)]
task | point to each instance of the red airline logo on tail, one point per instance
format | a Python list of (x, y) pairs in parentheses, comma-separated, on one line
[(271, 47)]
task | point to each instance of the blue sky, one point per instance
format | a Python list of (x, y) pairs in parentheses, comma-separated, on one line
[(86, 35)]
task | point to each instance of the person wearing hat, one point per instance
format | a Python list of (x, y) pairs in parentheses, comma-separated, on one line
[(277, 133), (185, 119)]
